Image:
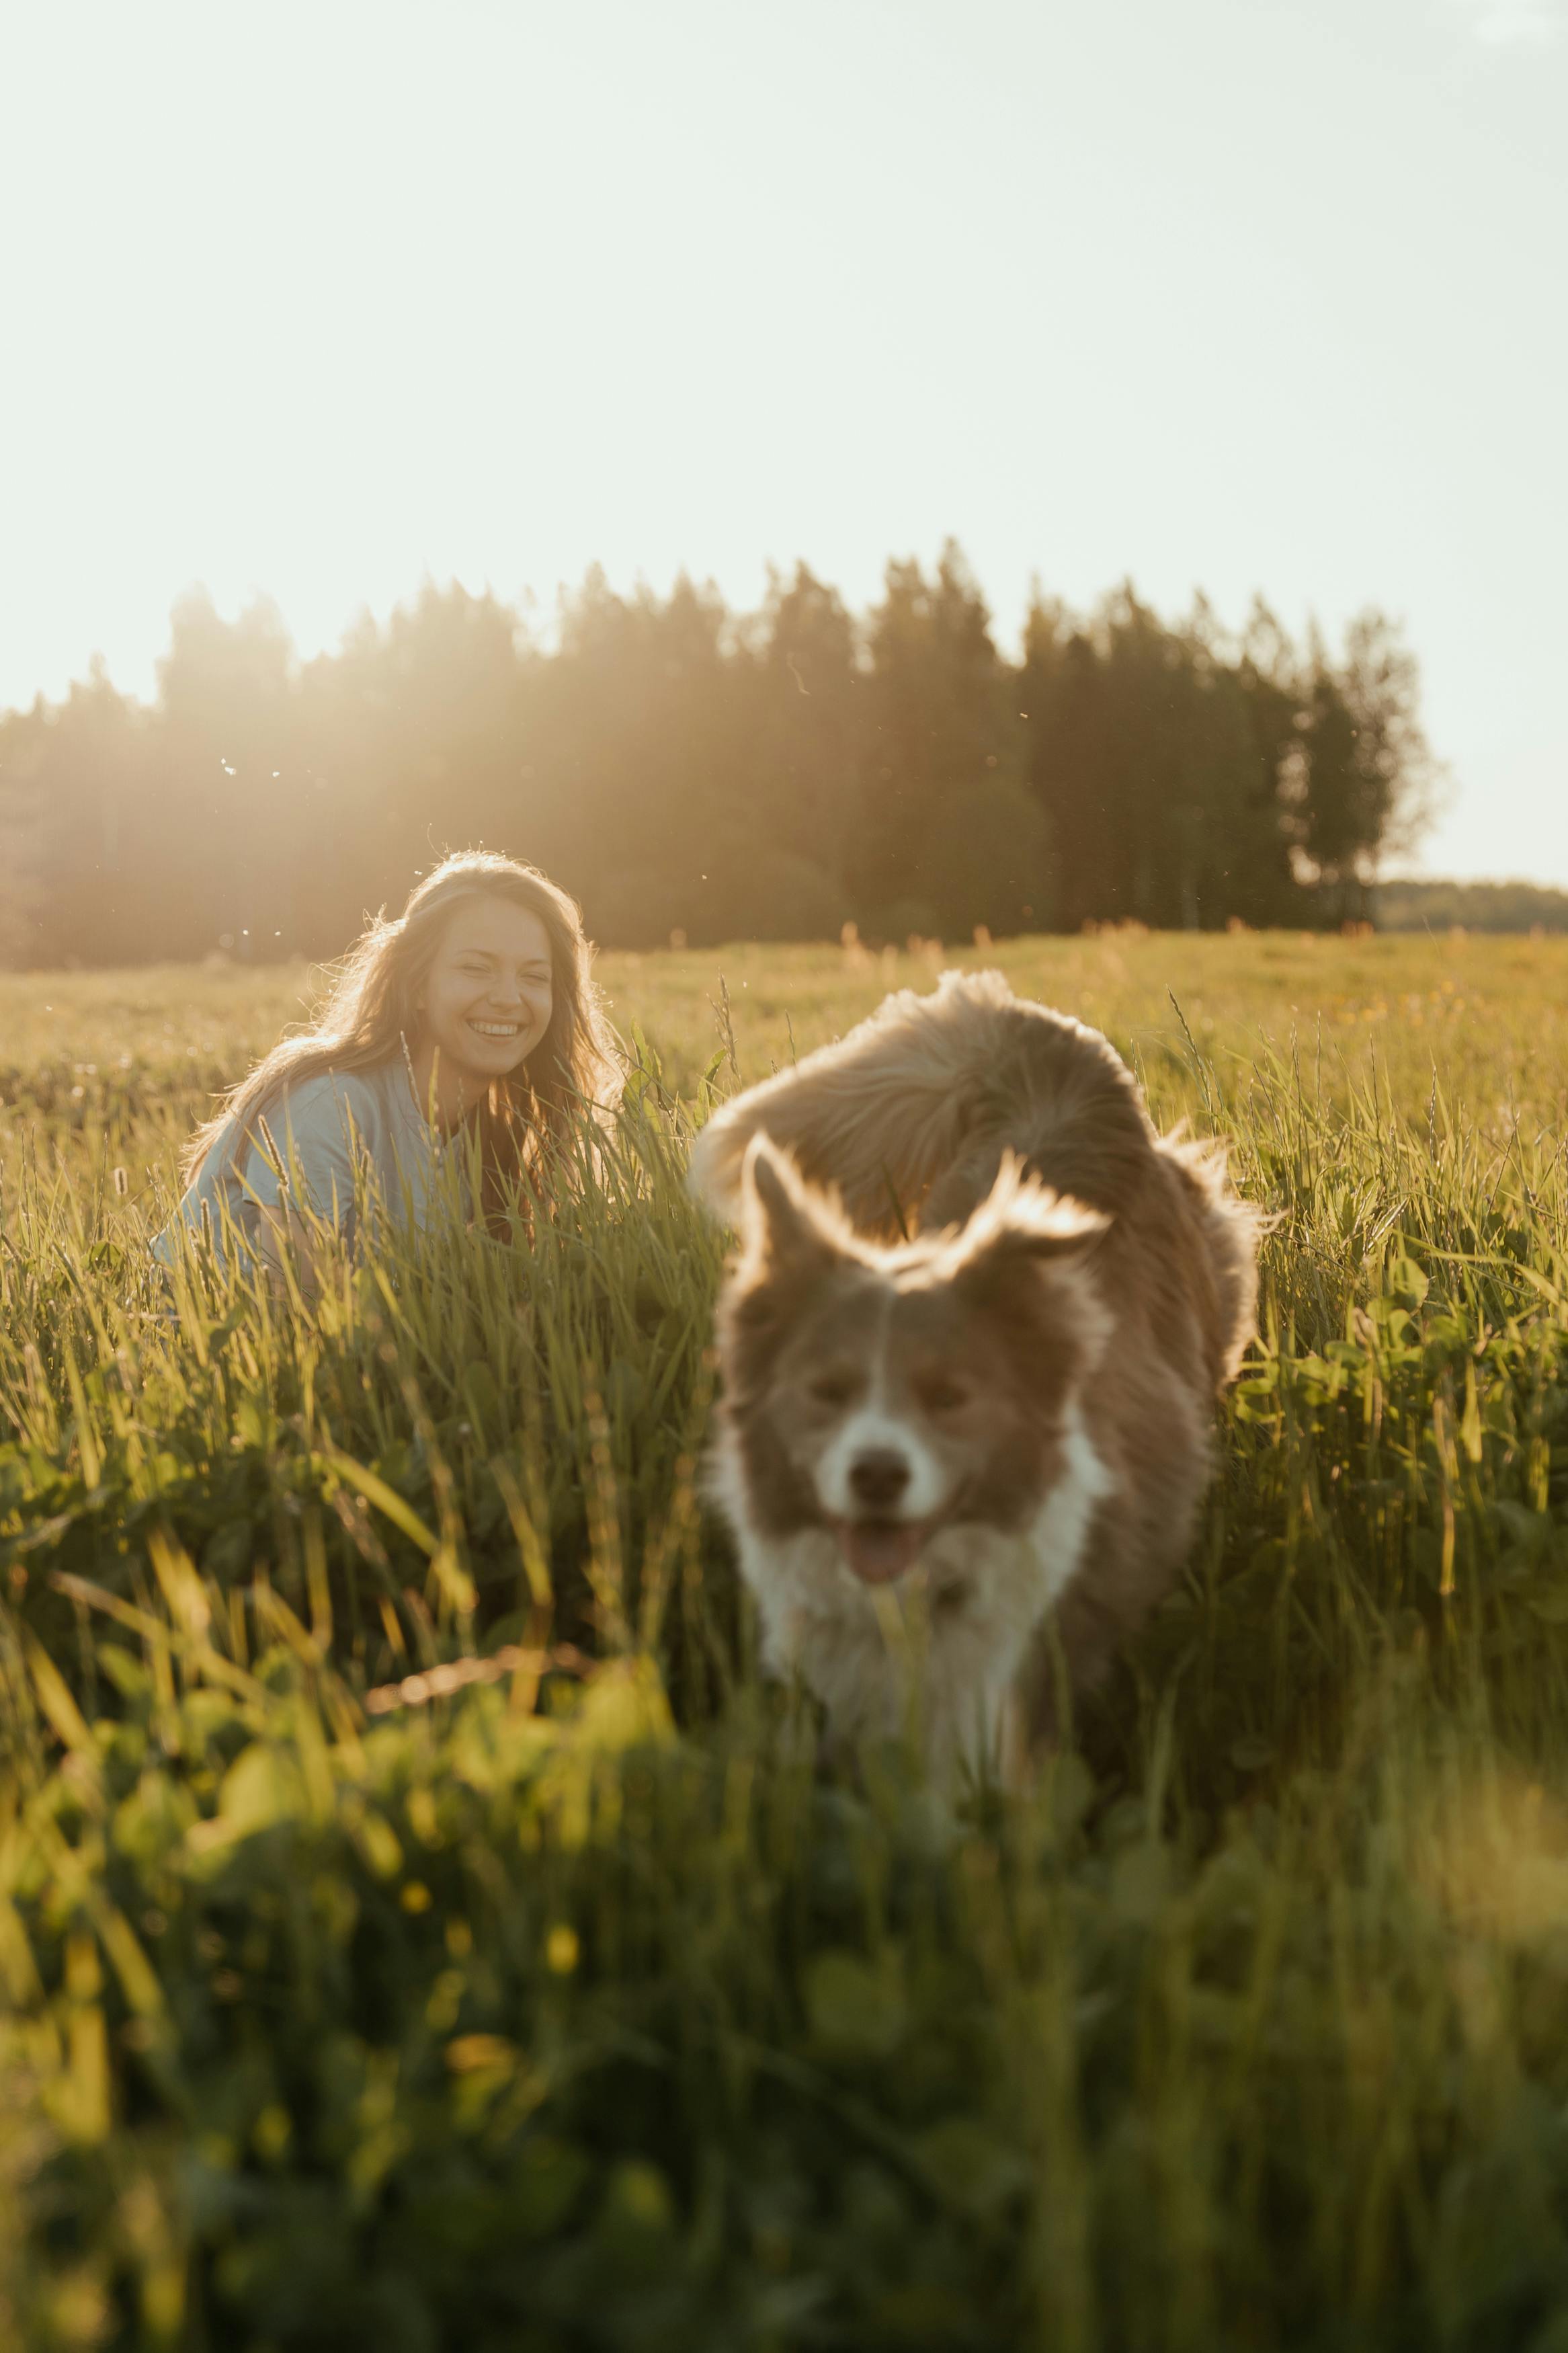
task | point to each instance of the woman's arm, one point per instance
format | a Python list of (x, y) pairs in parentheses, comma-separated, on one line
[(283, 1239), (303, 1160)]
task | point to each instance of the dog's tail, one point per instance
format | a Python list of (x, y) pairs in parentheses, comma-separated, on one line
[(908, 1117)]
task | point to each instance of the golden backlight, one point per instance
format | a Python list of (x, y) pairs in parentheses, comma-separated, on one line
[(316, 301)]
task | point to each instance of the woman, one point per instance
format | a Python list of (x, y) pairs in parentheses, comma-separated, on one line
[(471, 1013)]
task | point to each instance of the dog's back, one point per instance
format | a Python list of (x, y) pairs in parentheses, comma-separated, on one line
[(907, 1119)]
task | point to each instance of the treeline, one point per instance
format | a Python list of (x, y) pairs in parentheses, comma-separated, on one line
[(1414, 906), (687, 770)]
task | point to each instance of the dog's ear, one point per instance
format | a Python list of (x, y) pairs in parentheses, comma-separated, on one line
[(785, 1228), (1022, 1220)]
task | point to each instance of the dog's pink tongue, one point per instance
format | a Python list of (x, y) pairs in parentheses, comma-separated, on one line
[(879, 1550)]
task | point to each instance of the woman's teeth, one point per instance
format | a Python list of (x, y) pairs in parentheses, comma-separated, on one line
[(496, 1029)]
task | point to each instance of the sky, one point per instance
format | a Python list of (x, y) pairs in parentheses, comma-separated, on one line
[(1240, 295)]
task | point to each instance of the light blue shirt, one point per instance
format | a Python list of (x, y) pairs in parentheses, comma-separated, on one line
[(323, 1129)]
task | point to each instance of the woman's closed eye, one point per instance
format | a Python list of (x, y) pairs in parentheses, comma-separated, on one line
[(536, 977)]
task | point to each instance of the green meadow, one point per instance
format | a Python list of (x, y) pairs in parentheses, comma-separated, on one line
[(419, 1925)]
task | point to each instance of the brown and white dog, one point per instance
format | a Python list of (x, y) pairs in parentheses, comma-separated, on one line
[(927, 1446)]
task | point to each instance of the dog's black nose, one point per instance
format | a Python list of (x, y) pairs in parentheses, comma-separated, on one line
[(879, 1478)]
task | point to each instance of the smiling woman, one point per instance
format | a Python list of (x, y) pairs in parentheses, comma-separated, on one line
[(471, 1013)]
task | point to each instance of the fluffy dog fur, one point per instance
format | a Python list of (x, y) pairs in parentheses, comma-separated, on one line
[(970, 1345)]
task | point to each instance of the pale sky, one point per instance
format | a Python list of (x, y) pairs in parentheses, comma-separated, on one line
[(318, 300)]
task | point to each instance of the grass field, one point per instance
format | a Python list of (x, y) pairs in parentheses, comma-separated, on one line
[(358, 1984)]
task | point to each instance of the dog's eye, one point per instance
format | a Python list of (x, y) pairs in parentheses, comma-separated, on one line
[(833, 1388), (939, 1393)]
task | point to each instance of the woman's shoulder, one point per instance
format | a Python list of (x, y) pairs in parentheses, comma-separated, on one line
[(371, 1099)]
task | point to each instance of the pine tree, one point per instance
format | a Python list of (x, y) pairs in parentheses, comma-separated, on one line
[(947, 838)]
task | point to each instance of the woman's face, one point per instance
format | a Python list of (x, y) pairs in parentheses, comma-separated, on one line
[(487, 996)]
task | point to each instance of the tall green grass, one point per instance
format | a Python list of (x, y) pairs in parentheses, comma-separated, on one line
[(416, 1918)]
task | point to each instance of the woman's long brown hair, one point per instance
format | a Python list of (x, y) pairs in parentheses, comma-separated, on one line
[(370, 1018)]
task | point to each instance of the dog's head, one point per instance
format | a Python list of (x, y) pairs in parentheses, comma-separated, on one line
[(886, 1393)]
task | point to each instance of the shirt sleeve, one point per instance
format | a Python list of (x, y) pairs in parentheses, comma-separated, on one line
[(317, 1132)]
